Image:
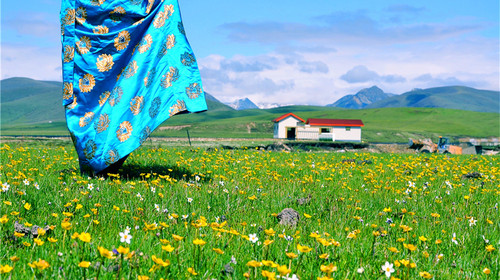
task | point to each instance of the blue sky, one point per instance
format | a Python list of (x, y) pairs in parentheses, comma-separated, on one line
[(298, 52)]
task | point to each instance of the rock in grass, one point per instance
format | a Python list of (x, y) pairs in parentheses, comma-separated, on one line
[(472, 175), (304, 200), (31, 231), (288, 217)]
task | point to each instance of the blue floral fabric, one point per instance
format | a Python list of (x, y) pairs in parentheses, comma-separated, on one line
[(127, 67)]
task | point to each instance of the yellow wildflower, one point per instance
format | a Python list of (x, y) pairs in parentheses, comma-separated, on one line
[(123, 250), (199, 242), (167, 248), (4, 219), (254, 263), (160, 262), (40, 264), (425, 274), (270, 232), (38, 241), (177, 237), (269, 275), (105, 253), (393, 249), (85, 237), (303, 249), (84, 264), (410, 247), (324, 256), (330, 268), (218, 251), (5, 268), (66, 225), (291, 255), (283, 270), (269, 263), (268, 242), (192, 271)]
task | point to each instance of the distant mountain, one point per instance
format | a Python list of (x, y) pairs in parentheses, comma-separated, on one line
[(214, 104), (28, 101), (361, 99), (450, 97), (242, 104)]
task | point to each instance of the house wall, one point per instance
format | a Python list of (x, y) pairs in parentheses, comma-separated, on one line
[(307, 132), (280, 127), (354, 135), (337, 133)]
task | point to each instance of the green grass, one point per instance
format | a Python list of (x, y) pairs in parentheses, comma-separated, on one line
[(381, 125), (364, 210)]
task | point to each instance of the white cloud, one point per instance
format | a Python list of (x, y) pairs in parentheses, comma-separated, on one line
[(31, 61)]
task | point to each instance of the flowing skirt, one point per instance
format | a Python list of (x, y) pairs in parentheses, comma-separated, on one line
[(127, 67)]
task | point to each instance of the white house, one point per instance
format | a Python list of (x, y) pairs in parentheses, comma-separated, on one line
[(290, 126)]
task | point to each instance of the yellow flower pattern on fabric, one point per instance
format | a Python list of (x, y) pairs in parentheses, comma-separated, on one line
[(122, 40), (97, 2), (103, 97), (67, 91), (104, 62), (160, 19), (136, 105), (102, 123), (124, 131), (69, 54), (87, 83), (86, 119), (101, 29), (178, 107), (84, 45), (81, 15), (145, 43)]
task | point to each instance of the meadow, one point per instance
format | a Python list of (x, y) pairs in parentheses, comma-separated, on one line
[(180, 212)]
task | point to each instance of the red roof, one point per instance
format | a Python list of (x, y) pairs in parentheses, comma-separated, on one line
[(288, 115), (334, 122)]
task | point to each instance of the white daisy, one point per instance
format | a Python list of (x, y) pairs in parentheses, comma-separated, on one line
[(125, 237), (253, 237), (388, 269)]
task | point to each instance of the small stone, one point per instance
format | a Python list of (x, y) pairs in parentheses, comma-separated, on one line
[(288, 217), (30, 231), (304, 200), (472, 175)]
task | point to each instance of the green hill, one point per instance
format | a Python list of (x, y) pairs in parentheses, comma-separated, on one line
[(451, 97), (26, 101), (30, 107)]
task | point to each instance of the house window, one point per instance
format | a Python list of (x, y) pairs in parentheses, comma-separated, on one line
[(347, 128), (325, 130)]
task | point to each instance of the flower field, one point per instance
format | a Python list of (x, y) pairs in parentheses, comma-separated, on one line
[(208, 213)]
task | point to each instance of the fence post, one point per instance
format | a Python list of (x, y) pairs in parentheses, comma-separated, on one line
[(189, 138)]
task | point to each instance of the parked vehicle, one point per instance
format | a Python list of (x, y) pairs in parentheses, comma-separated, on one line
[(443, 146)]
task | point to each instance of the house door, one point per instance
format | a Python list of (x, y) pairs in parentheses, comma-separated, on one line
[(290, 133)]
